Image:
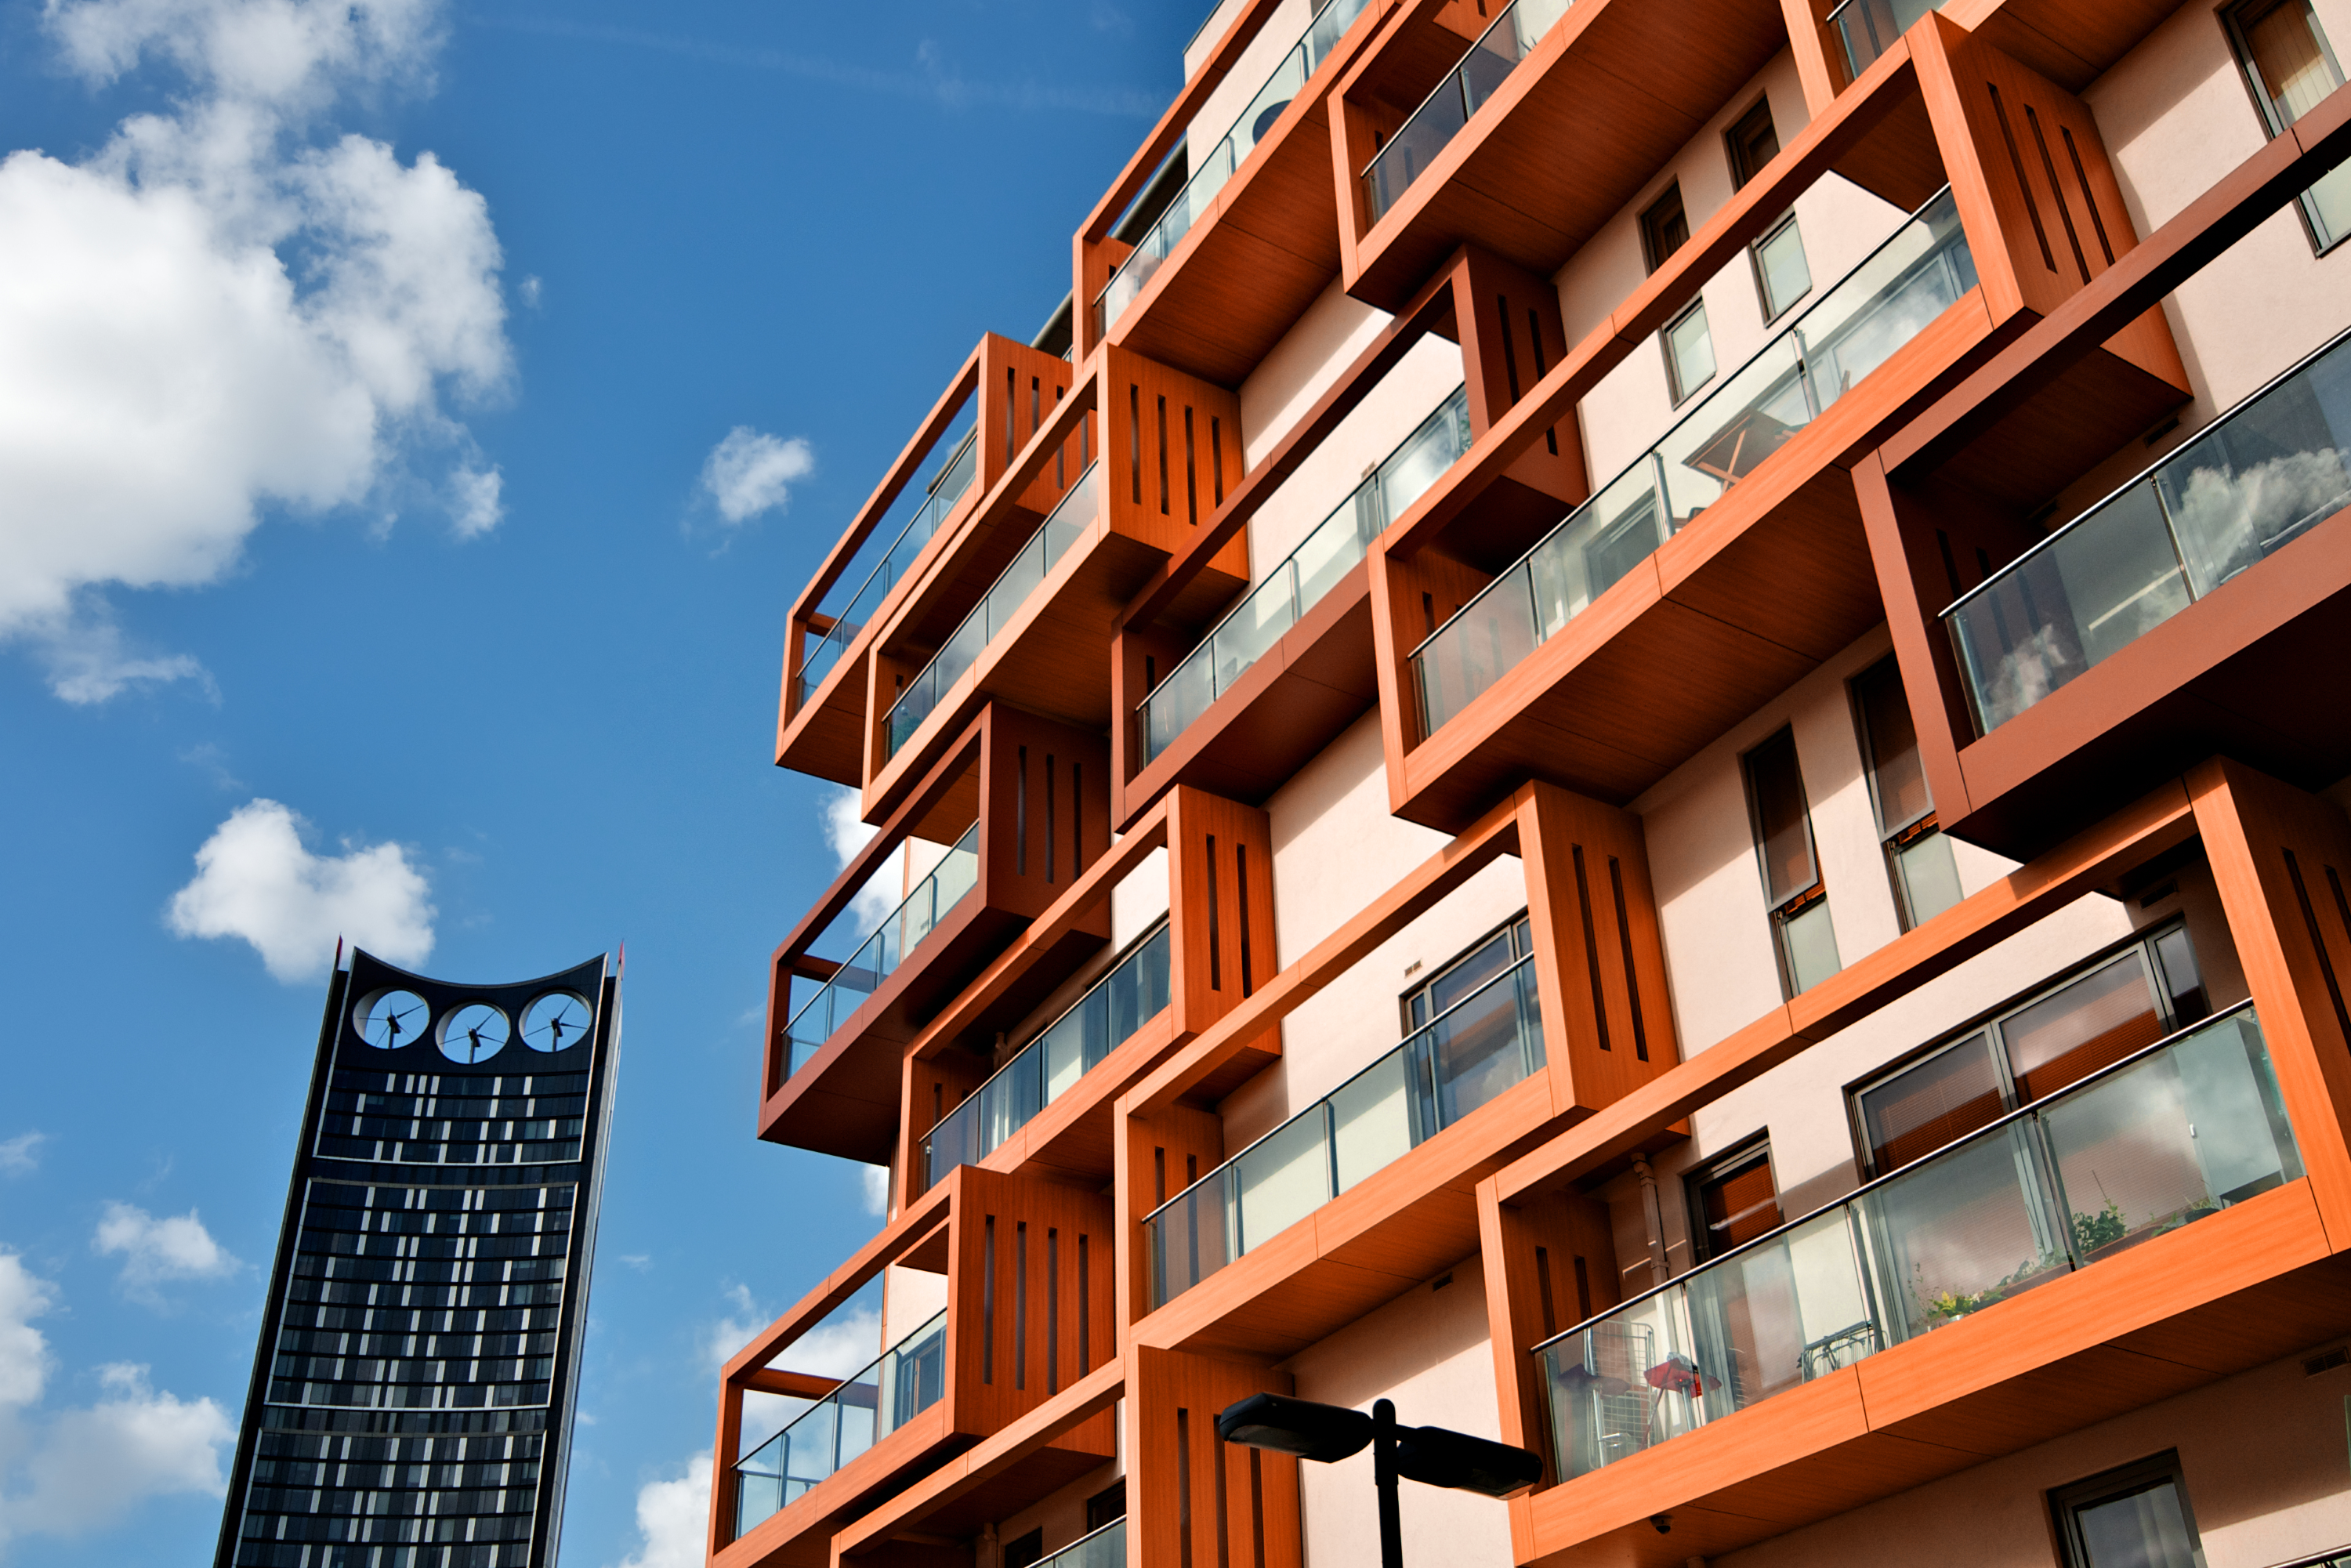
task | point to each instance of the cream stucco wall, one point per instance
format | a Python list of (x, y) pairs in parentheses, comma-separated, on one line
[(1429, 1351), (2261, 1454), (1336, 850), (1300, 367), (1389, 413), (2176, 116)]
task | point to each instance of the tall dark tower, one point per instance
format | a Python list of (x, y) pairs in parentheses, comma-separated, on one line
[(414, 1390)]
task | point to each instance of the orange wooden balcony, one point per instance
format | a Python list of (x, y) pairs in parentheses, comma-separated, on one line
[(1213, 1269), (1731, 558), (1236, 702), (1023, 806), (1047, 1109), (1626, 85), (1251, 238), (959, 455), (2055, 675), (1018, 606), (2109, 1325), (1027, 1317)]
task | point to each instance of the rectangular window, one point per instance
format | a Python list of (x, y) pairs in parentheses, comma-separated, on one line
[(2091, 1019), (1732, 1202), (1486, 959), (1664, 228), (2135, 1517), (1918, 855), (1689, 351), (1754, 141), (1792, 872), (2289, 67), (1781, 276), (1023, 1550)]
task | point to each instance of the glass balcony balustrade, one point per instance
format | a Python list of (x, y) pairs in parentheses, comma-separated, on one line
[(1105, 1548), (1868, 28), (2163, 1138), (878, 956), (1131, 995), (1489, 1042), (1062, 528), (1304, 576), (908, 1379), (946, 487), (2249, 483), (1199, 193), (1440, 117), (1902, 286)]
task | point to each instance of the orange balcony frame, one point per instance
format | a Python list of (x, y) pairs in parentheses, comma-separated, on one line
[(1499, 183), (1215, 1501), (1777, 575), (2271, 1279), (1014, 385), (1251, 266), (1220, 924), (1040, 793), (1320, 678), (1601, 990), (1048, 1329), (2228, 672), (1166, 447)]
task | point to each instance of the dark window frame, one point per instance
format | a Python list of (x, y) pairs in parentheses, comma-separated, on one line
[(2065, 1502), (1739, 137), (2144, 941), (1739, 1158), (1674, 390), (1893, 837), (1519, 930), (1802, 901), (1786, 221), (1667, 207), (2232, 17)]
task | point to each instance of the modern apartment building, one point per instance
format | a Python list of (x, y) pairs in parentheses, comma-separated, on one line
[(1635, 731), (413, 1391)]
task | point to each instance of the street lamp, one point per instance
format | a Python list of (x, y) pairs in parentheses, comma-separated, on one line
[(1430, 1454)]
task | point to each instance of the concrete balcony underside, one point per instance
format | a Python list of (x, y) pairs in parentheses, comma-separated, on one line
[(2248, 1286)]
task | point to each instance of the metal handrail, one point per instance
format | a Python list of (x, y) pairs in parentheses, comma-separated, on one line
[(2029, 1108)]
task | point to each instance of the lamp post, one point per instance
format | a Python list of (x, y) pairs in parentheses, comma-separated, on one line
[(1432, 1455)]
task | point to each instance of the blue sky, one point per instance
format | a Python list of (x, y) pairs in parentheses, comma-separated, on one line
[(359, 370)]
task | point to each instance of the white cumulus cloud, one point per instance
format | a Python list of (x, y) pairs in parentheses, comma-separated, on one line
[(674, 1519), (224, 309), (23, 1351), (257, 880), (155, 1251), (751, 471), (76, 1472)]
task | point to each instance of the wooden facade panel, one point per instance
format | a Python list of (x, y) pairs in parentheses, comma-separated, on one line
[(1031, 1295), (1191, 1500)]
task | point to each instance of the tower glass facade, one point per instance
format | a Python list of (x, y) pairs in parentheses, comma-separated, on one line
[(413, 1389)]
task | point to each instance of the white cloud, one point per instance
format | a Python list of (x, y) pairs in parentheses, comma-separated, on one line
[(88, 1466), (877, 1189), (255, 880), (82, 1469), (24, 1352), (674, 1519), (225, 308), (751, 471), (21, 1156), (153, 1251)]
